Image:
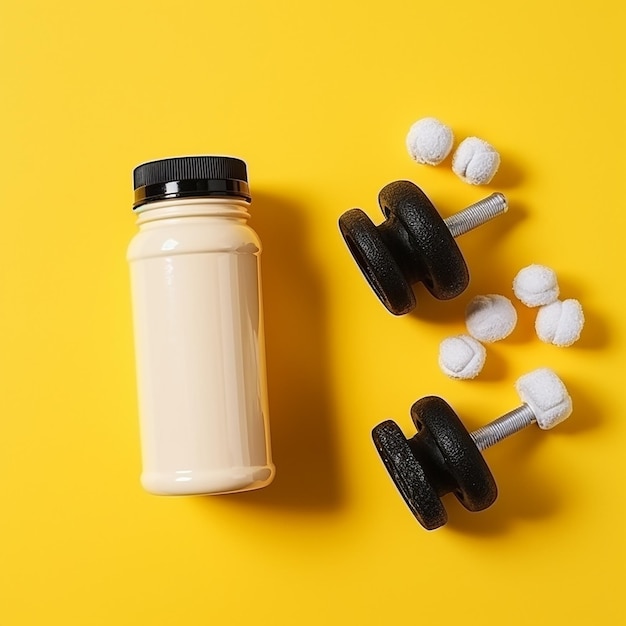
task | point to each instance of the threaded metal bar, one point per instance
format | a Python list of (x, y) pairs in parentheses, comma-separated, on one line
[(476, 214), (504, 426)]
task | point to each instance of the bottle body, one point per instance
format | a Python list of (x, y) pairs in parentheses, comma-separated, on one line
[(198, 326)]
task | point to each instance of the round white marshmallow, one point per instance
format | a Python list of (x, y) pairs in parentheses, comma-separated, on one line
[(490, 318), (560, 323), (544, 392), (536, 285), (429, 141), (475, 161), (461, 357)]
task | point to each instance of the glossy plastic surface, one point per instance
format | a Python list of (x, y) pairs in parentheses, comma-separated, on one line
[(199, 349)]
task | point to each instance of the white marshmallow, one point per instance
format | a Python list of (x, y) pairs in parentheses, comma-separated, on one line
[(560, 323), (461, 357), (475, 161), (429, 141), (536, 285), (490, 318), (544, 392)]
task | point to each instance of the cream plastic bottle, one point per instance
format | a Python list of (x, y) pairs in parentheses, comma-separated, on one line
[(198, 327)]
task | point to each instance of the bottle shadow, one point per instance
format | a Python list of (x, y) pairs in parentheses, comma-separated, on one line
[(300, 405)]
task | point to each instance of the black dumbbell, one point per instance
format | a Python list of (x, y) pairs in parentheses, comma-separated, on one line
[(413, 244), (443, 457)]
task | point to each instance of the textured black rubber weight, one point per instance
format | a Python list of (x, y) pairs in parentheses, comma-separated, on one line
[(412, 245), (441, 458)]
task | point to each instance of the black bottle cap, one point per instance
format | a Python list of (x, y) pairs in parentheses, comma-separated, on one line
[(190, 177)]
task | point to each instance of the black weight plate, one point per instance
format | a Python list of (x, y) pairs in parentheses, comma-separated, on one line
[(475, 486), (376, 262), (445, 273), (408, 475)]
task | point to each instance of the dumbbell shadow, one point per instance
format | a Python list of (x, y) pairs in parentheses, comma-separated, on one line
[(525, 492), (481, 251)]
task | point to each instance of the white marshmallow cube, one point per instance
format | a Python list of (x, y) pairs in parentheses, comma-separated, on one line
[(560, 323), (490, 318), (475, 161), (429, 141), (544, 392), (536, 285), (461, 357)]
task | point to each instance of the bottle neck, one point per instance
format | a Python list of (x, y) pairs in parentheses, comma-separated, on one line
[(233, 208)]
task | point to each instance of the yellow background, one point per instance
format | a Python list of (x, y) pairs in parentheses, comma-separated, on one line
[(318, 98)]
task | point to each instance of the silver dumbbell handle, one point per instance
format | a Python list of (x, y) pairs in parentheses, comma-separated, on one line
[(476, 214), (503, 427)]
